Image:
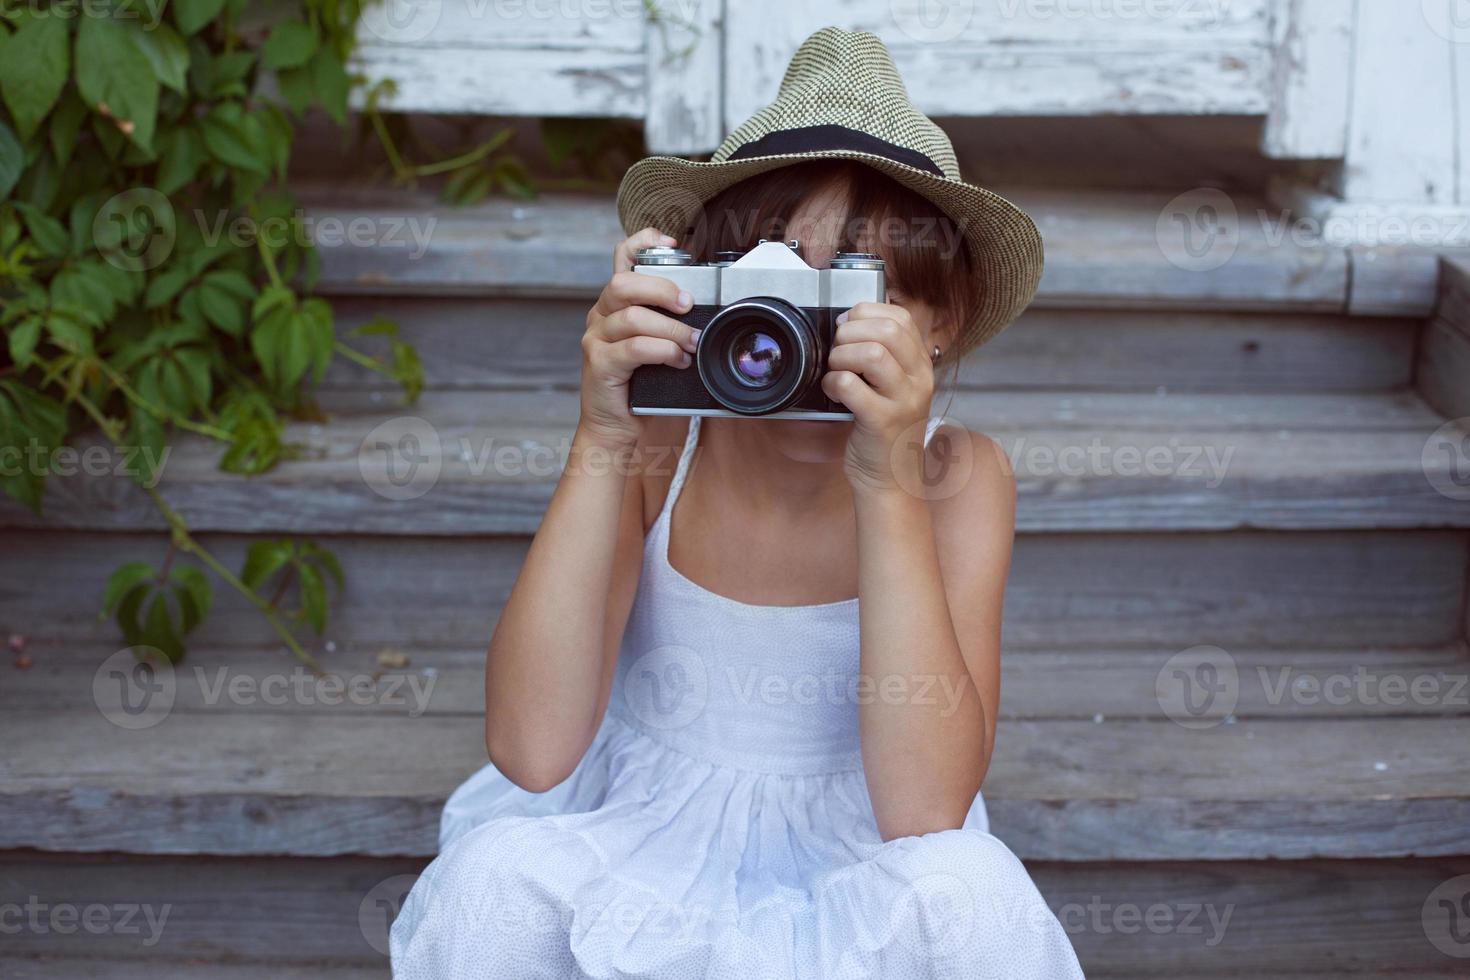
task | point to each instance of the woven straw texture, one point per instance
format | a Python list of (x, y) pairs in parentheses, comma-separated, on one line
[(847, 78)]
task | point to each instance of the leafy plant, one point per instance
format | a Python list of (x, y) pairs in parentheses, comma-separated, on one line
[(155, 273)]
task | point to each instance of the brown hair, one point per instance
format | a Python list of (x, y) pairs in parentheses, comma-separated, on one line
[(922, 247)]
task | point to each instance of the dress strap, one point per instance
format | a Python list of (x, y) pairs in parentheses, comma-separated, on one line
[(681, 472)]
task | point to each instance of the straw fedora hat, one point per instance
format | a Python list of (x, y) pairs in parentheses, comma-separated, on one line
[(842, 99)]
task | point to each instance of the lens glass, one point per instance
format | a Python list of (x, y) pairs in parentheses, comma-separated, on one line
[(756, 358)]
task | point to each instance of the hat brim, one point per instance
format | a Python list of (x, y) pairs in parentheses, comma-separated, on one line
[(1005, 248)]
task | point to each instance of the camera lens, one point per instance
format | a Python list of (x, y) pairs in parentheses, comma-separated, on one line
[(758, 356), (755, 359)]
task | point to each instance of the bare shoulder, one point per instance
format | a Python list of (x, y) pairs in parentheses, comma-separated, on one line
[(976, 492)]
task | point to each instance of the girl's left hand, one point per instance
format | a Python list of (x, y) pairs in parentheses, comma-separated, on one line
[(883, 371)]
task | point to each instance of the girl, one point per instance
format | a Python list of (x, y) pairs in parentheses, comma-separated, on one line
[(743, 694)]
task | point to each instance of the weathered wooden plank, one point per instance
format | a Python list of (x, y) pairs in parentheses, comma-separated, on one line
[(1395, 280), (1057, 790), (1443, 374), (684, 46), (515, 59), (1401, 135), (487, 462), (47, 967), (1027, 59), (1311, 71), (285, 918), (1039, 684), (1444, 368), (1104, 250), (491, 343), (1390, 588)]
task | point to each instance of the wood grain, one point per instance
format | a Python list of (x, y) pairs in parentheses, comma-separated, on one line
[(1311, 69), (243, 919), (1390, 588), (1103, 251), (1057, 790), (469, 342), (1078, 684), (487, 463)]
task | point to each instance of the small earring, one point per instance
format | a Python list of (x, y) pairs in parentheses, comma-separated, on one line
[(935, 355)]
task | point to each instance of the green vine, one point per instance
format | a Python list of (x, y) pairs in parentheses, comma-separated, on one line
[(155, 274)]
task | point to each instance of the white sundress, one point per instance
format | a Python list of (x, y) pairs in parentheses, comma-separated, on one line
[(719, 826)]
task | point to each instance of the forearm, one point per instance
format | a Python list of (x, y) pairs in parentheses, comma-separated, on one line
[(923, 729), (547, 668)]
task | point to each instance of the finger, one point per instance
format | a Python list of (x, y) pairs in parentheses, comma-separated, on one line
[(874, 362), (901, 341), (636, 321), (636, 289), (852, 391), (624, 356), (626, 252)]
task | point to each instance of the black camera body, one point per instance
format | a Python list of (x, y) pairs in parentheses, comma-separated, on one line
[(768, 322)]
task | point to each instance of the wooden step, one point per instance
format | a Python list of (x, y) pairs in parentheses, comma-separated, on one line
[(1101, 685), (473, 342), (324, 783), (487, 462), (1105, 249), (284, 918), (1095, 591)]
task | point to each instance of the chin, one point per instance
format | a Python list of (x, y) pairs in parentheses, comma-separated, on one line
[(805, 441)]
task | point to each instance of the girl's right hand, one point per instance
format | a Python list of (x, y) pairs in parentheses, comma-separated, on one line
[(625, 332)]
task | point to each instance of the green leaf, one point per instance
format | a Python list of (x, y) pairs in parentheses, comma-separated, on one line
[(191, 15), (84, 287), (192, 590), (330, 82), (114, 76), (290, 45), (165, 286), (234, 138), (264, 559), (159, 630), (12, 160), (123, 581), (295, 85), (34, 70), (66, 122), (32, 427), (23, 339), (223, 297), (167, 53), (48, 233), (313, 597), (180, 154)]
